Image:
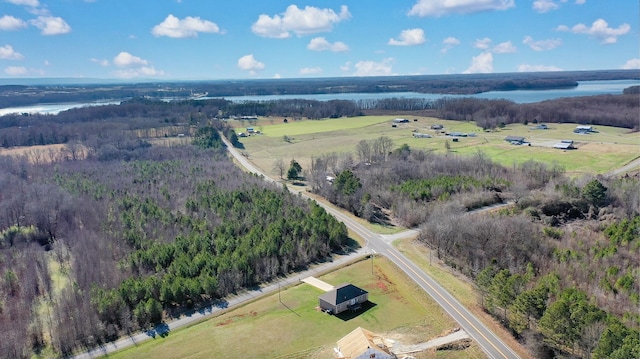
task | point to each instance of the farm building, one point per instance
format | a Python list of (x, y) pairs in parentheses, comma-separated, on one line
[(437, 127), (343, 297), (400, 120), (361, 344), (541, 126), (421, 135), (583, 129), (514, 140), (457, 134), (564, 145)]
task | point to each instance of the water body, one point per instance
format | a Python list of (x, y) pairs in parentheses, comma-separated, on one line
[(584, 88), (54, 108)]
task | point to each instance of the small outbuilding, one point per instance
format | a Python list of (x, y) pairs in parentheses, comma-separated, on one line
[(437, 127), (343, 297), (421, 135), (514, 140), (400, 120), (564, 145), (363, 344)]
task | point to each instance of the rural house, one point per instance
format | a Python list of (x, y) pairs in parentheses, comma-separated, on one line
[(361, 344), (343, 297), (583, 130)]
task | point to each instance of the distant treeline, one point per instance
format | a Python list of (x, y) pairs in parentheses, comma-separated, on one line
[(17, 95)]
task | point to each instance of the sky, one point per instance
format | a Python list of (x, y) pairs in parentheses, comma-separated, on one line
[(246, 39)]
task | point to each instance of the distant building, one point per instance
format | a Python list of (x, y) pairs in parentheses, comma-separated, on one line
[(250, 130), (421, 135), (541, 126), (400, 120), (583, 130), (437, 127), (564, 145), (343, 297), (457, 134), (514, 140), (363, 344)]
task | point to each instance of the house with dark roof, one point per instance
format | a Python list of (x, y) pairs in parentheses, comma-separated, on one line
[(343, 297)]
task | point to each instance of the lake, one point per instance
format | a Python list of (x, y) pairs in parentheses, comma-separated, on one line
[(584, 88)]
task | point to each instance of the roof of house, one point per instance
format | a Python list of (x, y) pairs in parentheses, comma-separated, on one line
[(342, 293), (514, 138), (358, 341), (563, 145)]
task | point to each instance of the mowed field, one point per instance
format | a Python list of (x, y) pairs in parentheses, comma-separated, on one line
[(599, 152), (294, 328)]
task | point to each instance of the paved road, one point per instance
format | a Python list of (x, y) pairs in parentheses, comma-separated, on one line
[(493, 346)]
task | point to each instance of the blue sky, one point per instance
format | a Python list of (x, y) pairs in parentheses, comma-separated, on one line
[(241, 39)]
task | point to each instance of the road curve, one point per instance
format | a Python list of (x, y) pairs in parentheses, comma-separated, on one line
[(492, 345)]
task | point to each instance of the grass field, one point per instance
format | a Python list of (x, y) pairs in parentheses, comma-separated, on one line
[(294, 328), (599, 152)]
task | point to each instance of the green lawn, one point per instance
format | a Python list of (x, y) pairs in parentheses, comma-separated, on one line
[(294, 328), (599, 152)]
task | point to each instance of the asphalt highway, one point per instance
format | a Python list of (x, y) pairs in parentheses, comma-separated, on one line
[(492, 345)]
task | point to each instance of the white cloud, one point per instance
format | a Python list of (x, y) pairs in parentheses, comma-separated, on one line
[(249, 63), (8, 23), (409, 37), (8, 53), (543, 6), (321, 44), (309, 20), (631, 64), (449, 43), (15, 70), (580, 2), (310, 70), (599, 29), (504, 48), (537, 68), (146, 71), (50, 25), (103, 62), (482, 63), (541, 45), (130, 66), (424, 8), (187, 27), (482, 44), (372, 68), (32, 3), (125, 59)]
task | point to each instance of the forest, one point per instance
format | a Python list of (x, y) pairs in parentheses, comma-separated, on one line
[(120, 234), (97, 248)]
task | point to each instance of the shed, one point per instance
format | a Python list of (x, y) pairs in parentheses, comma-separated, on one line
[(363, 344), (421, 135), (564, 145), (343, 297), (514, 140), (437, 127), (400, 120)]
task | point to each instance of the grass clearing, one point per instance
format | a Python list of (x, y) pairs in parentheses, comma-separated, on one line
[(598, 152), (294, 328)]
